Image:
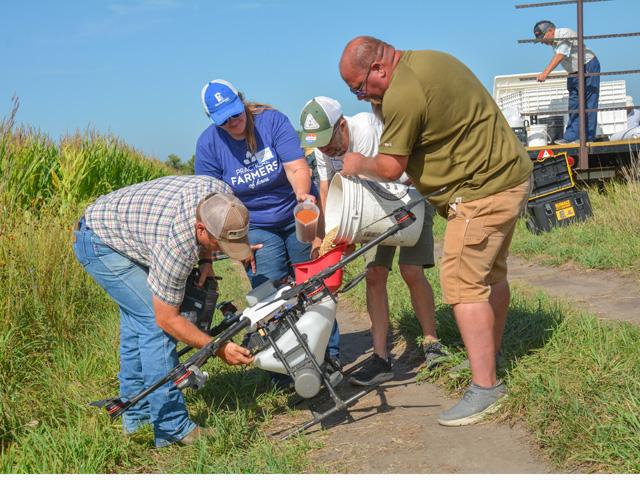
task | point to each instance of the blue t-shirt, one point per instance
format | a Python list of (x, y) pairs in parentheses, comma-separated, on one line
[(258, 180)]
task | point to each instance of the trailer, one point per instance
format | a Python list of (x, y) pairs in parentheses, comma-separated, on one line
[(533, 102), (606, 158)]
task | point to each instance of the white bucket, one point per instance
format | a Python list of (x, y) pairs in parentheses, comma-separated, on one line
[(537, 135), (354, 205), (513, 117)]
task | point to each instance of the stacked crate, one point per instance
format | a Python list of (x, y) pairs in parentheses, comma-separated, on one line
[(523, 93), (555, 201)]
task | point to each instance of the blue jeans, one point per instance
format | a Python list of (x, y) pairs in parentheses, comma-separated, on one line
[(591, 95), (274, 261), (147, 353)]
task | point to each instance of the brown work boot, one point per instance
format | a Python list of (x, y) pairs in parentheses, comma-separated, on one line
[(196, 435)]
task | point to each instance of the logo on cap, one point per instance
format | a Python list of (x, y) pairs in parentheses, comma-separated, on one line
[(220, 99), (237, 234), (310, 138), (310, 123)]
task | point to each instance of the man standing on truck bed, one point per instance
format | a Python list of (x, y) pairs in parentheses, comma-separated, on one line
[(565, 45), (442, 127)]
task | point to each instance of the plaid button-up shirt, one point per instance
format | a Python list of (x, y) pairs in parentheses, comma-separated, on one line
[(153, 223)]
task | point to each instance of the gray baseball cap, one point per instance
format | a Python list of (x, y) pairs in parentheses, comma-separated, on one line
[(541, 28), (227, 219)]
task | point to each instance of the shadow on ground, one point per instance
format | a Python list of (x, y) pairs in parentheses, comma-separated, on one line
[(530, 324)]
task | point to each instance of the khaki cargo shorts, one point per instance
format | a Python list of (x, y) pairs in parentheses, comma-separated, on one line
[(476, 244)]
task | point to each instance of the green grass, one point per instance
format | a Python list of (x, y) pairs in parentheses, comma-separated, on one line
[(575, 381), (580, 392), (610, 239)]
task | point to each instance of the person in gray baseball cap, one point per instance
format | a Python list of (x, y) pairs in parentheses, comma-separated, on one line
[(140, 244), (564, 42)]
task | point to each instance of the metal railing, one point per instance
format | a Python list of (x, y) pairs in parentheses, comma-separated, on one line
[(584, 151)]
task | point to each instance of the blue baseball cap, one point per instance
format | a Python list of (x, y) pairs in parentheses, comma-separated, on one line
[(220, 101)]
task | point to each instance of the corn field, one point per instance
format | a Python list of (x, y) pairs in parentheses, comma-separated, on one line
[(35, 171)]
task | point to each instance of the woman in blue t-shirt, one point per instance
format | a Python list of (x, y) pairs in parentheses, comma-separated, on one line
[(255, 149)]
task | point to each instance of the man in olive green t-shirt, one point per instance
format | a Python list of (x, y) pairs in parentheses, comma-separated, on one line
[(443, 128)]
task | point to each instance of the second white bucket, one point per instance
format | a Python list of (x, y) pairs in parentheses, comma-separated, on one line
[(537, 135), (355, 207)]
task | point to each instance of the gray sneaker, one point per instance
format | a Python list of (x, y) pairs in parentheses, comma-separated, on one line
[(434, 354), (476, 403)]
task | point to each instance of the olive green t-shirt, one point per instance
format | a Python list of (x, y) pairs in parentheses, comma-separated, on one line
[(438, 113)]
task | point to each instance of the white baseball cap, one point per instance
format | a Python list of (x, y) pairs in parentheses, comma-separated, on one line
[(629, 101)]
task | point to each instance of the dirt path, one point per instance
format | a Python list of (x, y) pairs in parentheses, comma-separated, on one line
[(610, 295), (394, 429)]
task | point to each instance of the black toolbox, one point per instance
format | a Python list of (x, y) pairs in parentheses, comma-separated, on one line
[(551, 175), (558, 209)]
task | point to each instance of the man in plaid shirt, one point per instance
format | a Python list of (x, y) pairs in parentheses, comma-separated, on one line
[(139, 244)]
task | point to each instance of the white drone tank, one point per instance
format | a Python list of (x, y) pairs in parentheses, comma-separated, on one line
[(315, 325)]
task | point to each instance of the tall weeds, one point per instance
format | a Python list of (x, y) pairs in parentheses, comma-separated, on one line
[(49, 309), (623, 199), (610, 238)]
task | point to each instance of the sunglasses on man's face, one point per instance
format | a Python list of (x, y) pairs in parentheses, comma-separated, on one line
[(237, 115), (361, 91)]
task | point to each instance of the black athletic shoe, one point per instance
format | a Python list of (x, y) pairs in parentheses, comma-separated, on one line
[(434, 354), (375, 371)]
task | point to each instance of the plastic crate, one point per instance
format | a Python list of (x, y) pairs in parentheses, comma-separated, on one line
[(558, 210), (551, 175), (511, 92)]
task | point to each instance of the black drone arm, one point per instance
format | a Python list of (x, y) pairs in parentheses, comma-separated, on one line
[(180, 375)]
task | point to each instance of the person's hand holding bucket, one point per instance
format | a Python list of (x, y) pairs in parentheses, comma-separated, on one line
[(351, 164), (315, 248)]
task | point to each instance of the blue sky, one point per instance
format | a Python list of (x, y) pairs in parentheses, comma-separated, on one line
[(135, 68)]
